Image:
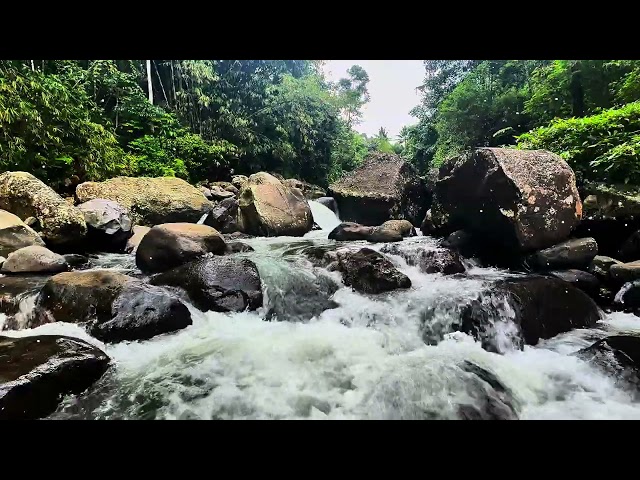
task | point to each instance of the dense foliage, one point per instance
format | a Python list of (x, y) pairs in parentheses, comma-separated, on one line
[(203, 119), (580, 109)]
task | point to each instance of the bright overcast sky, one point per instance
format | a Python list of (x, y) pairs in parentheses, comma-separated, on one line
[(392, 87)]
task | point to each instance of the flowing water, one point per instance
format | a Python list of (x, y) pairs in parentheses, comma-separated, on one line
[(388, 356)]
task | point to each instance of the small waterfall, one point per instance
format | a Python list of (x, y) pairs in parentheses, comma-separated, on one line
[(323, 216), (203, 218)]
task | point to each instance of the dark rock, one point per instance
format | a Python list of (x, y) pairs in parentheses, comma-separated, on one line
[(24, 195), (141, 312), (172, 244), (630, 249), (380, 235), (309, 190), (15, 234), (329, 202), (628, 297), (224, 216), (34, 259), (492, 399), (625, 272), (113, 306), (348, 231), (150, 201), (368, 271), (384, 187), (75, 260), (440, 261), (586, 282), (138, 233), (108, 223), (316, 227), (236, 236), (238, 247), (517, 200), (576, 253), (221, 284), (270, 208), (36, 372), (13, 289), (618, 356), (460, 241), (600, 266), (542, 308)]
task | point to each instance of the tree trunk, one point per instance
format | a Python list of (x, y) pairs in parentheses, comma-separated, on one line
[(577, 92), (150, 85)]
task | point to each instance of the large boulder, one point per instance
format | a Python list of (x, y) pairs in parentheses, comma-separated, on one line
[(139, 231), (36, 372), (34, 259), (542, 307), (60, 224), (625, 272), (171, 244), (108, 223), (516, 200), (328, 202), (239, 181), (221, 284), (585, 281), (150, 201), (309, 190), (389, 231), (349, 231), (574, 253), (269, 208), (15, 234), (113, 306), (384, 187), (368, 271), (442, 261)]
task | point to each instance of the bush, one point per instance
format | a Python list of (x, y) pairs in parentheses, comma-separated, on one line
[(602, 147)]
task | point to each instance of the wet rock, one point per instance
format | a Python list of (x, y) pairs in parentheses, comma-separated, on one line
[(60, 224), (440, 261), (518, 200), (329, 202), (349, 231), (34, 259), (384, 187), (436, 222), (309, 190), (618, 356), (542, 307), (586, 282), (15, 234), (108, 223), (150, 201), (269, 208), (172, 244), (138, 233), (628, 297), (630, 249), (492, 399), (112, 306), (36, 372), (600, 266), (221, 284), (218, 193), (224, 216), (368, 271), (625, 272), (461, 242), (576, 253), (236, 236), (238, 247), (404, 228), (75, 260), (381, 235)]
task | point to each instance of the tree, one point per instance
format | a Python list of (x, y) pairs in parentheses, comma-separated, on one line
[(353, 94)]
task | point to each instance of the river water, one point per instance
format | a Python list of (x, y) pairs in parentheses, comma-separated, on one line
[(388, 356)]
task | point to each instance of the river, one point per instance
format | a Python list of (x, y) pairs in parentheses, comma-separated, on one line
[(388, 356)]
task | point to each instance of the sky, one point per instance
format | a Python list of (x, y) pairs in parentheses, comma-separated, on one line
[(392, 87)]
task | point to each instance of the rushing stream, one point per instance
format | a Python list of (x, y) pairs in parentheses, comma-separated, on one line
[(388, 356)]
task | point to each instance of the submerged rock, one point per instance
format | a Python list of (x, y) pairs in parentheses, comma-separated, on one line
[(37, 371), (172, 244), (59, 223), (269, 208), (618, 356), (384, 187), (113, 306), (150, 201), (221, 284), (15, 234), (515, 199), (368, 271), (34, 259)]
